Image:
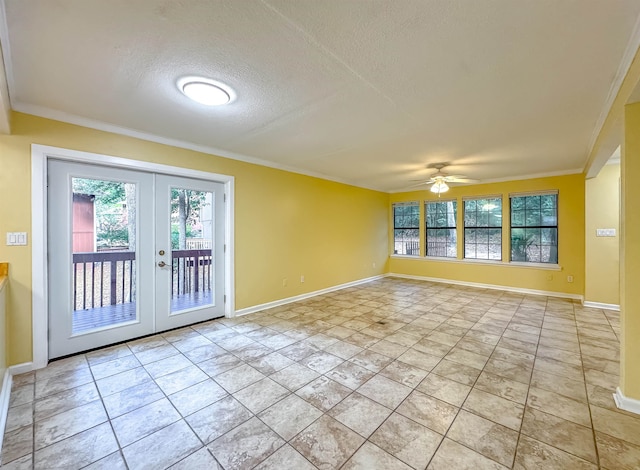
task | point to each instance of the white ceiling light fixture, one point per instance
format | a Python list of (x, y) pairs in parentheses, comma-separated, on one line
[(206, 91), (439, 187)]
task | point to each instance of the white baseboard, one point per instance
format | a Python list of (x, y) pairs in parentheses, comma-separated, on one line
[(588, 303), (288, 300), (5, 393), (519, 290), (21, 368), (626, 403)]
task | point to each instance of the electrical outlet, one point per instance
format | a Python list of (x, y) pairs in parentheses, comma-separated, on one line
[(569, 278), (549, 277), (284, 282), (374, 265), (301, 279)]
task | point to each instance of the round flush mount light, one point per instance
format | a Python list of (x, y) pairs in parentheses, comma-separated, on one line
[(206, 91)]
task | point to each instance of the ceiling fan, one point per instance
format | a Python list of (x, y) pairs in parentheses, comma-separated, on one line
[(439, 179)]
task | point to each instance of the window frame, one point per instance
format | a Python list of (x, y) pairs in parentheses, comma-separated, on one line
[(487, 228), (538, 227), (454, 228), (395, 205)]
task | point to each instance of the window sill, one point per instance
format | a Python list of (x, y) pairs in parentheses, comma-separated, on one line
[(507, 264)]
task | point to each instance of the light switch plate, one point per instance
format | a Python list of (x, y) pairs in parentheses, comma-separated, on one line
[(16, 238), (605, 232)]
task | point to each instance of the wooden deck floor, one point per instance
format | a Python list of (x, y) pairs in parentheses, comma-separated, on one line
[(92, 318)]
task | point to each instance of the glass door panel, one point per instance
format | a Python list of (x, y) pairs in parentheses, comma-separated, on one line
[(104, 253), (192, 241)]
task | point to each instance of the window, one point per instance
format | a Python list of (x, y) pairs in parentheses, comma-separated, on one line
[(441, 228), (483, 228), (406, 229), (534, 228)]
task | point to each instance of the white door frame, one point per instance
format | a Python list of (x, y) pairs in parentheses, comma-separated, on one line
[(39, 295)]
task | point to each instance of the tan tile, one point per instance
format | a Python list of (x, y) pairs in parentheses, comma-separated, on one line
[(615, 424), (321, 362), (285, 457), (371, 360), (558, 405), (360, 414), (486, 437), (370, 456), (238, 378), (444, 389), (617, 454), (66, 400), (343, 349), (117, 383), (407, 440), (428, 411), (218, 418), (502, 387), (162, 448), (198, 396), (200, 459), (384, 391), (563, 369), (23, 463), (327, 443), (494, 408), (404, 373), (509, 370), (260, 395), (181, 379), (114, 461), (560, 433), (596, 377), (17, 444), (458, 372), (462, 356), (220, 364), (132, 398), (323, 393), (167, 366), (290, 416), (350, 375), (144, 421), (246, 445), (452, 455), (68, 423), (562, 385), (533, 454), (78, 450), (389, 349)]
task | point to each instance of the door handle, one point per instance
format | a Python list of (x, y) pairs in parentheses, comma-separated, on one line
[(162, 264)]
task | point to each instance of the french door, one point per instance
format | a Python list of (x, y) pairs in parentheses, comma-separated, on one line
[(129, 254)]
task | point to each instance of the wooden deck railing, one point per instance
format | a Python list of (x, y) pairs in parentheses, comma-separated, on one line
[(107, 278)]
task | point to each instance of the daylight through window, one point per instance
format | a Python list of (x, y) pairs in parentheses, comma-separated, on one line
[(406, 229), (534, 228), (441, 228), (483, 228)]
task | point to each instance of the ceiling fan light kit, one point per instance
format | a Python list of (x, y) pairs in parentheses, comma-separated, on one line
[(439, 187)]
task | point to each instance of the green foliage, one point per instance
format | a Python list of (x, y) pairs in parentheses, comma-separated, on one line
[(110, 210)]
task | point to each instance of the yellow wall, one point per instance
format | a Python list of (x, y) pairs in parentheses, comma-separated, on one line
[(570, 239), (630, 255), (286, 224), (602, 269)]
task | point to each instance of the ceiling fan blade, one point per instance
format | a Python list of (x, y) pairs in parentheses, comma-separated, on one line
[(423, 183), (463, 180)]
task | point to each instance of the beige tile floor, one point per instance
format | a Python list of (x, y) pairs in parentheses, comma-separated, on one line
[(394, 374)]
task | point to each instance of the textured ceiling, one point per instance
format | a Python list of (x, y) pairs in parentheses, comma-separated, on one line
[(367, 92)]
